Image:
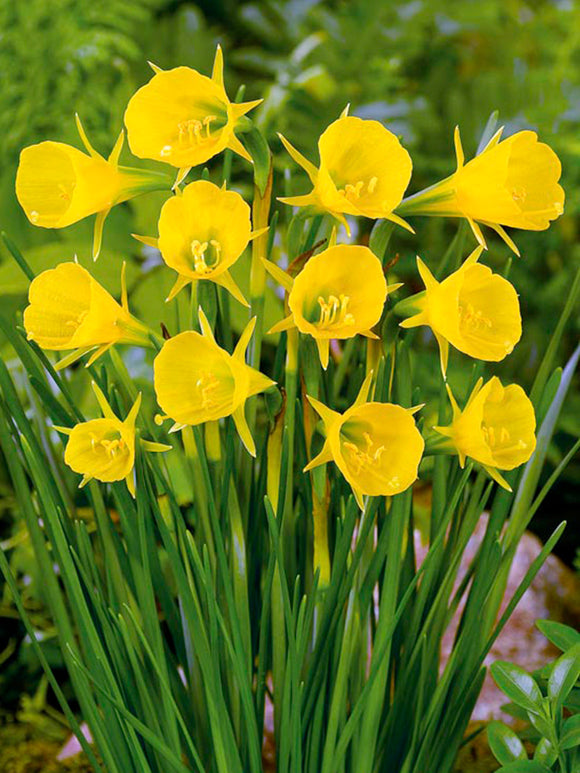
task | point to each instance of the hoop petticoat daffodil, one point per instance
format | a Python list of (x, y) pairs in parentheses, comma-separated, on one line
[(184, 118), (496, 428), (104, 449), (58, 185), (203, 230), (473, 309), (511, 183), (197, 381), (376, 446), (68, 309), (339, 293), (364, 170)]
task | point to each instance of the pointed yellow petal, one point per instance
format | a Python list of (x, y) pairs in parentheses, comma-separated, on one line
[(277, 273), (150, 241), (244, 340), (399, 221), (345, 111), (428, 279), (327, 415), (103, 402), (235, 145), (155, 448), (99, 353), (181, 175), (180, 283), (226, 280), (500, 231), (422, 318), (308, 167), (477, 232), (369, 334), (358, 495), (130, 481), (323, 345), (497, 477), (84, 139), (259, 232), (238, 109), (86, 479), (443, 353), (364, 390), (285, 324), (239, 418), (322, 458), (392, 288), (452, 400), (132, 415), (217, 73), (474, 392), (117, 148), (307, 200), (472, 259), (459, 154), (63, 430), (72, 357), (494, 140), (206, 330), (124, 299), (98, 233), (156, 69)]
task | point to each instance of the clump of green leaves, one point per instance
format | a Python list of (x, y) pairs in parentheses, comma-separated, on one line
[(549, 702)]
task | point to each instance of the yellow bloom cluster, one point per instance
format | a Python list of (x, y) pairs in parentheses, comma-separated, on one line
[(183, 118)]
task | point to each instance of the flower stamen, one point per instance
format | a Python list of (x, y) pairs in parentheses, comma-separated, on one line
[(190, 132), (201, 252), (367, 458), (333, 312)]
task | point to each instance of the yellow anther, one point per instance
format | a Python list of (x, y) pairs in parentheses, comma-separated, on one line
[(333, 312), (206, 385), (190, 132), (354, 191), (473, 318), (367, 458), (372, 184), (201, 252)]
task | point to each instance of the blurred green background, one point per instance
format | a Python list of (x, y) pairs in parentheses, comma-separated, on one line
[(421, 67)]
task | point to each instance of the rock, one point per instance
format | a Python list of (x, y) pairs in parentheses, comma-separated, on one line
[(554, 594)]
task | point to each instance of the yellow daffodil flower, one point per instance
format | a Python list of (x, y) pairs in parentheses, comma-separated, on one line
[(511, 183), (364, 170), (57, 184), (496, 428), (376, 446), (104, 449), (202, 232), (197, 381), (68, 309), (473, 309), (184, 118), (339, 293)]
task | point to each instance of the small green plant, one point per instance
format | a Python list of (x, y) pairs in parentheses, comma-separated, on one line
[(549, 702)]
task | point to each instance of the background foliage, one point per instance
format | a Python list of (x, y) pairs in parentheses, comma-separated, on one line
[(421, 67)]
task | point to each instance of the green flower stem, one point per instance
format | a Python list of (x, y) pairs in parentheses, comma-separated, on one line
[(199, 489)]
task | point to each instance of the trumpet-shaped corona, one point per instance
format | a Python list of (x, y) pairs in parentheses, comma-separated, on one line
[(104, 449), (364, 170), (202, 233), (339, 293), (473, 309), (184, 118), (197, 381), (69, 310), (511, 183), (57, 184), (376, 446), (496, 428)]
